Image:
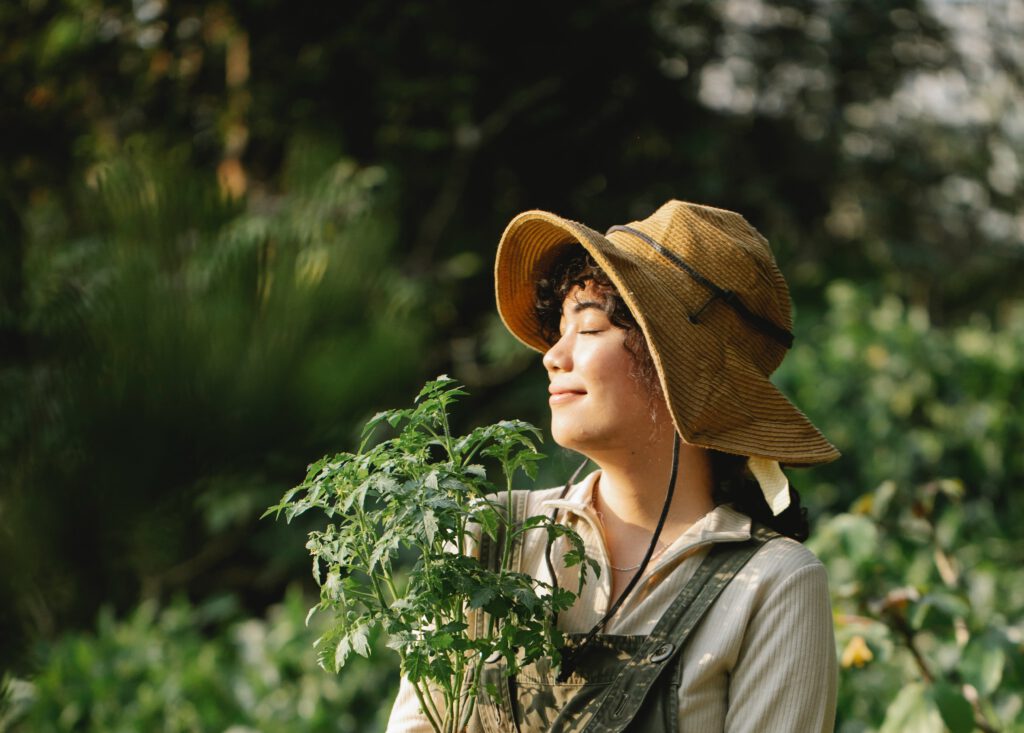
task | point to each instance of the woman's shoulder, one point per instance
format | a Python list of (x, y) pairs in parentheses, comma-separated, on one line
[(784, 563), (778, 555)]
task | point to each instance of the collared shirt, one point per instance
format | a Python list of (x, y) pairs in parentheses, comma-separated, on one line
[(762, 660)]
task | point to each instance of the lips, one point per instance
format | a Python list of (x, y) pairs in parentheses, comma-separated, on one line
[(563, 394)]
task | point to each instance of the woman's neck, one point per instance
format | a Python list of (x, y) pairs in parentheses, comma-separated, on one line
[(630, 494), (633, 487)]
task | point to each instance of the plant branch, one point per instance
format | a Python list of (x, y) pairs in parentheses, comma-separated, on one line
[(430, 714), (907, 634)]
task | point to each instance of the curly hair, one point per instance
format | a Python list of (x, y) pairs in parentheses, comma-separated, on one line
[(573, 268)]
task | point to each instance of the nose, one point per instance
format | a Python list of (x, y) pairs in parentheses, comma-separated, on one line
[(559, 357)]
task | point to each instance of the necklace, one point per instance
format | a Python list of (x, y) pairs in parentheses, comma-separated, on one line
[(631, 568)]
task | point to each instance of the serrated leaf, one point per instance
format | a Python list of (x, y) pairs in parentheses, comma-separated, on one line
[(360, 641), (429, 525), (489, 521), (454, 627), (415, 665), (373, 422), (341, 653), (527, 597), (440, 641), (497, 606), (481, 597), (355, 496)]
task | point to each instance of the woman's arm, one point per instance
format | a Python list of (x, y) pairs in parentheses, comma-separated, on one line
[(784, 679), (406, 714)]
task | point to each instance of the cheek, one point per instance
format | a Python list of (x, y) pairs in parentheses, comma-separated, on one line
[(635, 401), (619, 373), (605, 359)]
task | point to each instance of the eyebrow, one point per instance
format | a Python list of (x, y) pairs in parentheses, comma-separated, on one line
[(582, 305)]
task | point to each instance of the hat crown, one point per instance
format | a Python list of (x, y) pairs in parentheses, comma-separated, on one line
[(724, 248)]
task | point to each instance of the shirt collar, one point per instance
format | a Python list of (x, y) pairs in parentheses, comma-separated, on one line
[(721, 524)]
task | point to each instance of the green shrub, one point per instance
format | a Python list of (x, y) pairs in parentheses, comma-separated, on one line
[(188, 668), (924, 549)]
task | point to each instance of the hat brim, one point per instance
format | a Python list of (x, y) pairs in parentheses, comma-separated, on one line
[(751, 416)]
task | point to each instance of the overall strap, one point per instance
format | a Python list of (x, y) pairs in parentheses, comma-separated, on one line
[(631, 685), (490, 558)]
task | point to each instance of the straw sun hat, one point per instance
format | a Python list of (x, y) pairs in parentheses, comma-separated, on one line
[(704, 287)]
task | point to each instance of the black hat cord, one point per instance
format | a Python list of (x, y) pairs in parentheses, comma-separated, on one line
[(569, 656)]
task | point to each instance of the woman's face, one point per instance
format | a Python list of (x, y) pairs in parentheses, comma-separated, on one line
[(597, 404)]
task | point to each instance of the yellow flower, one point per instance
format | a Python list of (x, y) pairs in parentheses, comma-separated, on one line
[(857, 653)]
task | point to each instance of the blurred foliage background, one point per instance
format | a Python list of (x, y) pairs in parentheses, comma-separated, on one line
[(233, 230)]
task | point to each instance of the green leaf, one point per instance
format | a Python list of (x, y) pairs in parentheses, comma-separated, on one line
[(341, 653), (440, 641), (939, 607), (913, 711), (497, 606), (374, 421), (415, 665), (526, 597), (983, 663), (481, 597), (956, 712), (429, 525), (454, 627), (360, 641), (431, 481), (489, 520)]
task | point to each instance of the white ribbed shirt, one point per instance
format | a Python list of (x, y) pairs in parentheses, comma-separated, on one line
[(762, 660)]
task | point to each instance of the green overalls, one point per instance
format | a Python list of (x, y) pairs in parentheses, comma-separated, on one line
[(619, 682)]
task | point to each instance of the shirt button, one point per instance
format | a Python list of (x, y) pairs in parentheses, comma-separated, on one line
[(662, 653)]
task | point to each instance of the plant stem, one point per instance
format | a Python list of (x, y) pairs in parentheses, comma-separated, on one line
[(374, 582), (390, 585), (447, 434), (506, 550), (431, 714)]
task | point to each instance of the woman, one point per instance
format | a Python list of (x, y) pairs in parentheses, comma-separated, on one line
[(658, 339)]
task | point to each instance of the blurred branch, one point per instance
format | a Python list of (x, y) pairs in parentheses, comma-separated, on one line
[(980, 719), (899, 624), (213, 551), (476, 373), (468, 140)]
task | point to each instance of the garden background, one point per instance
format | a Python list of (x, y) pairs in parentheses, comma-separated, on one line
[(232, 231)]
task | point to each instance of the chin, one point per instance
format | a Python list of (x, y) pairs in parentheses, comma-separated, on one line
[(580, 441)]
